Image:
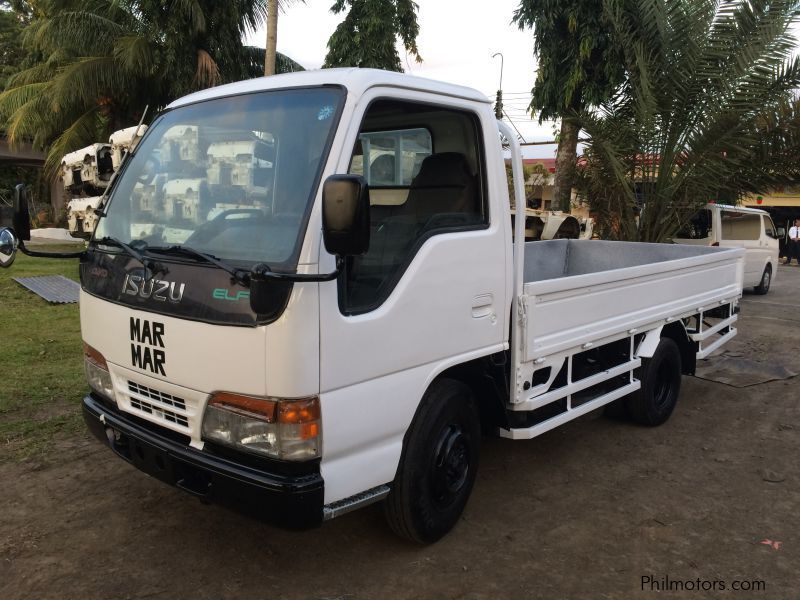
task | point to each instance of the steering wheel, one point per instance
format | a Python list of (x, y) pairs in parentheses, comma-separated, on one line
[(211, 228)]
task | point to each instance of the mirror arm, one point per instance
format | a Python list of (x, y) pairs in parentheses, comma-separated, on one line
[(21, 247), (262, 272)]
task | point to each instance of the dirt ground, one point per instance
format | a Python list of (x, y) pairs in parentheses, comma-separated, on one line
[(710, 500)]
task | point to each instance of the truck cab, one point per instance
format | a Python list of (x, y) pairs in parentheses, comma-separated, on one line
[(235, 173)]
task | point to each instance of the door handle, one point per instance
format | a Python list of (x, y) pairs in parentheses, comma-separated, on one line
[(482, 306)]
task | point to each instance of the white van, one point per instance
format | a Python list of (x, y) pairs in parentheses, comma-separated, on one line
[(738, 227)]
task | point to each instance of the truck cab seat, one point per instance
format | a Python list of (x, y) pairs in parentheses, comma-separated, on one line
[(444, 185)]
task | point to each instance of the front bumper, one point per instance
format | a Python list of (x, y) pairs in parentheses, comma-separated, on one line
[(290, 501)]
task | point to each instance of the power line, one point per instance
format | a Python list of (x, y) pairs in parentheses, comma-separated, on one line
[(514, 126), (510, 93)]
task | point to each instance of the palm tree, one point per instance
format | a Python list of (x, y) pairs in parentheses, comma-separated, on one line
[(274, 61), (102, 61), (699, 116), (272, 37)]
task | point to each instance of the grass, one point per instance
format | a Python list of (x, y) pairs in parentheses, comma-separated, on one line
[(41, 362)]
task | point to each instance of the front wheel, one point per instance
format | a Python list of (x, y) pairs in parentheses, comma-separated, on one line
[(660, 376), (766, 279), (438, 466)]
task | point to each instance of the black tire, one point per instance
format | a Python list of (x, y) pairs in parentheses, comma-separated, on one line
[(660, 375), (766, 279), (438, 466)]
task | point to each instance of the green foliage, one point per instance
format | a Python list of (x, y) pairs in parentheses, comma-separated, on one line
[(366, 38), (11, 52), (37, 188), (702, 114), (578, 61), (535, 176), (579, 67), (41, 355), (102, 61)]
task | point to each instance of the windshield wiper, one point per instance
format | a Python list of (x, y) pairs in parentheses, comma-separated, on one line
[(112, 241), (260, 272), (239, 275)]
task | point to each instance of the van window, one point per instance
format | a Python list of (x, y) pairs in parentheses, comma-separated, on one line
[(769, 227), (698, 227), (424, 165), (740, 225)]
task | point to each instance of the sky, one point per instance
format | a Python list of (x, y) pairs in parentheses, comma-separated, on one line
[(456, 41)]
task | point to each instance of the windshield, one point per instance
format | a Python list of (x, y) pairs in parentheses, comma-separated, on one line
[(231, 177)]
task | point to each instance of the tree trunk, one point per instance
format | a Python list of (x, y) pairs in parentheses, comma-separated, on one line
[(566, 158), (272, 37)]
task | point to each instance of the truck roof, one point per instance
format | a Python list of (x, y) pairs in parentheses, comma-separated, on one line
[(356, 81), (744, 209)]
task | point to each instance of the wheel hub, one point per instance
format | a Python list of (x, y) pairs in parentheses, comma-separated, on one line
[(451, 465), (663, 388)]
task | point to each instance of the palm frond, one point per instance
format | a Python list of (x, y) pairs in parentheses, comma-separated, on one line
[(207, 73), (135, 54), (88, 79), (82, 132), (699, 75)]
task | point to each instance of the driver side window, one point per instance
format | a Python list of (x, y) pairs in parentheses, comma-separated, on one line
[(424, 167)]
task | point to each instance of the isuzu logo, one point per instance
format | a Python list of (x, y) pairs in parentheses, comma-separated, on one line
[(136, 285)]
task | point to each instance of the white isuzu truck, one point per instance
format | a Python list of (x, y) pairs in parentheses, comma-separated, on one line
[(265, 326)]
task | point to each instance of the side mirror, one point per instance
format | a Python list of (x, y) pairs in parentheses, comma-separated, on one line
[(781, 232), (8, 247), (345, 215), (22, 217)]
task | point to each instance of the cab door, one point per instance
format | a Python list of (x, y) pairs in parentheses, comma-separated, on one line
[(429, 294)]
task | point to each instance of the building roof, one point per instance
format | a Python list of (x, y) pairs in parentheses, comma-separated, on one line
[(549, 163)]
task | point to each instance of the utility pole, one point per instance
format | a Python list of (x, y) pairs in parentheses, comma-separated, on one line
[(498, 105), (272, 37)]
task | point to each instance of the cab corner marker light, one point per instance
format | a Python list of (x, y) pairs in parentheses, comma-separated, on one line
[(94, 357), (305, 412), (97, 374), (262, 409)]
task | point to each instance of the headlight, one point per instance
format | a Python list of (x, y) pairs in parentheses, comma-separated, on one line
[(277, 428), (97, 372)]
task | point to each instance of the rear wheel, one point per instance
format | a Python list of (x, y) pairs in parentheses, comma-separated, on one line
[(766, 279), (660, 375), (438, 466)]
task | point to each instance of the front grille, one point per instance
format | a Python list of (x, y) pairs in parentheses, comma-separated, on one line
[(158, 404)]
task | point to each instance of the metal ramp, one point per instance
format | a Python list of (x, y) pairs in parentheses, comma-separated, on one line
[(56, 289)]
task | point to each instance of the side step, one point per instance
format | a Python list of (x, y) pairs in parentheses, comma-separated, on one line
[(346, 505)]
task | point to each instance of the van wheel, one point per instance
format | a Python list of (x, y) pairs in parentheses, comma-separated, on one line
[(660, 375), (766, 279), (438, 466)]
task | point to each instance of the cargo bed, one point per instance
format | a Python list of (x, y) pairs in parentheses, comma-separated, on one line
[(579, 292), (579, 297)]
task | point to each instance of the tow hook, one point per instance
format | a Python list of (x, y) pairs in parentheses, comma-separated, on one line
[(113, 436)]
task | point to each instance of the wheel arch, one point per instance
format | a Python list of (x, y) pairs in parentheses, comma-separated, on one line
[(675, 331), (486, 377)]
